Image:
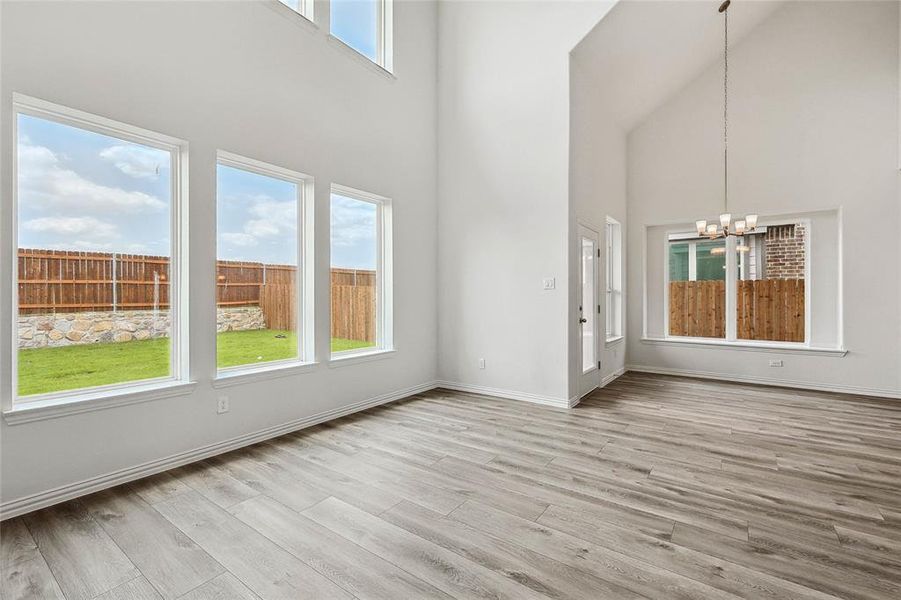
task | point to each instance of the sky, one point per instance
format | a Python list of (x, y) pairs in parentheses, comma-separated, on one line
[(80, 190), (353, 22)]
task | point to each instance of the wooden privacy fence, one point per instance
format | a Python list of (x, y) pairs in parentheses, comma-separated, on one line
[(353, 311), (697, 308), (767, 309), (61, 281), (771, 309)]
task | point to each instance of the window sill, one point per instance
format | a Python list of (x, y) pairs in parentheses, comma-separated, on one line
[(360, 58), (784, 347), (242, 375), (352, 357), (613, 340), (51, 408)]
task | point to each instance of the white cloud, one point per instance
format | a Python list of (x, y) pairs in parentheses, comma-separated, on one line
[(273, 219), (139, 162), (353, 221), (239, 239), (72, 226), (44, 181)]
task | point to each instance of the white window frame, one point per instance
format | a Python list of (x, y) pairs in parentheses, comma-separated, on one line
[(304, 301), (732, 278), (40, 406), (384, 40), (384, 276), (305, 8), (613, 280)]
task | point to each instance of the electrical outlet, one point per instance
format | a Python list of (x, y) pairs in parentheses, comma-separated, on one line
[(481, 363), (222, 407), (775, 363)]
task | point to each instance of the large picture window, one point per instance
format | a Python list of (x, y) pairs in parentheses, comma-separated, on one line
[(260, 263), (361, 308), (99, 235), (365, 26), (761, 275)]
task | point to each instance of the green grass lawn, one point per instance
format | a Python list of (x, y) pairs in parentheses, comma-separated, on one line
[(43, 370)]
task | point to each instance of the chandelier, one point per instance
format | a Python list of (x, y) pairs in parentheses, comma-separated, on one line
[(726, 227)]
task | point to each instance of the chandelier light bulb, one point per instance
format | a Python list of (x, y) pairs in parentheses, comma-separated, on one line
[(702, 226), (725, 219), (711, 230), (751, 221), (739, 227)]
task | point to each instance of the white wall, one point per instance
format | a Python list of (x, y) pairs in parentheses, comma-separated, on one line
[(504, 193), (251, 78), (598, 190), (813, 126)]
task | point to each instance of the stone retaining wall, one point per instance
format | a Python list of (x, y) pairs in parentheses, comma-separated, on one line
[(66, 329)]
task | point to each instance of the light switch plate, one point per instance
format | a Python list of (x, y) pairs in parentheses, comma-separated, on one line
[(549, 283), (775, 363)]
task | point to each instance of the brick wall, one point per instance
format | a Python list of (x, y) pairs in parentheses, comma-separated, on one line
[(785, 251)]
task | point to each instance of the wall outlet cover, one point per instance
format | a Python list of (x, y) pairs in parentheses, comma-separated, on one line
[(549, 283), (222, 405), (775, 363)]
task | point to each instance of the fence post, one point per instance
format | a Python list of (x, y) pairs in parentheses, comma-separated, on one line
[(114, 282), (156, 294)]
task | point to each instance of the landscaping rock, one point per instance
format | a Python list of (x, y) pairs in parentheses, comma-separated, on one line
[(102, 326), (81, 325)]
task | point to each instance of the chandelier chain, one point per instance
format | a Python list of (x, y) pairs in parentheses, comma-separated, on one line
[(726, 109)]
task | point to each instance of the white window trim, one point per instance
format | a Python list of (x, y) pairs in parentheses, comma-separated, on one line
[(613, 232), (384, 39), (69, 401), (306, 10), (731, 338), (304, 302), (384, 274)]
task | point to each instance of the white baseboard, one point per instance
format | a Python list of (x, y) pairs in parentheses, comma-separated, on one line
[(509, 394), (615, 375), (787, 383), (20, 506)]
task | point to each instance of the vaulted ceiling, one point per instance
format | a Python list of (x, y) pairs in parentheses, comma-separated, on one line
[(643, 52)]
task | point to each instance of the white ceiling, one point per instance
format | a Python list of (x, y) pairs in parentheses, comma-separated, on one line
[(643, 52)]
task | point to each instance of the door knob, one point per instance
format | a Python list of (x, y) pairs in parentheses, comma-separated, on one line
[(583, 320)]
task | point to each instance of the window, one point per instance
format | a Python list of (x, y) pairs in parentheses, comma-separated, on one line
[(697, 287), (100, 296), (614, 279), (760, 298), (770, 294), (365, 26), (361, 319), (302, 7), (259, 239)]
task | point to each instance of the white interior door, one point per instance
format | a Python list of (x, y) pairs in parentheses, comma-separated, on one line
[(589, 308)]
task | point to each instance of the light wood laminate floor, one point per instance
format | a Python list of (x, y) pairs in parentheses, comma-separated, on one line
[(654, 487)]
